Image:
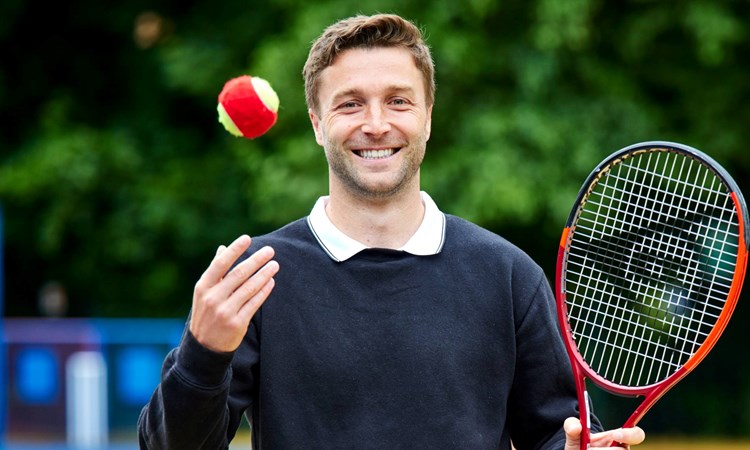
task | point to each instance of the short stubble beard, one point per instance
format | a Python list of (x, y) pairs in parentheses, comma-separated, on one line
[(340, 166)]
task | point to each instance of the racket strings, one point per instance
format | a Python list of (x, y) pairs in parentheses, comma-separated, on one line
[(650, 264)]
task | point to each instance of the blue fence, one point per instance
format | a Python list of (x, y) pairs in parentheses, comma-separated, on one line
[(36, 352)]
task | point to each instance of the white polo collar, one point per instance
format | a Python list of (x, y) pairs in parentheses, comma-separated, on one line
[(427, 240)]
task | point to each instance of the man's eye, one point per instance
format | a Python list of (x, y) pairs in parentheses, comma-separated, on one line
[(400, 102)]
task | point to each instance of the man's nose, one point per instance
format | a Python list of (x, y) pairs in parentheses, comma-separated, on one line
[(376, 121)]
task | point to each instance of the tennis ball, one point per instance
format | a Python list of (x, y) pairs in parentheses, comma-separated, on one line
[(248, 106)]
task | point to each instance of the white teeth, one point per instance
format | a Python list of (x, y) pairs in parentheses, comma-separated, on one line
[(376, 154)]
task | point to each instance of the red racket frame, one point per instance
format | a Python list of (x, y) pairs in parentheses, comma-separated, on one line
[(651, 393)]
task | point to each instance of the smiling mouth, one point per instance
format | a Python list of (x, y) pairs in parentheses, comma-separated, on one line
[(376, 154)]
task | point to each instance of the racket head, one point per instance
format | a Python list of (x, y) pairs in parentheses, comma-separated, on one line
[(669, 256)]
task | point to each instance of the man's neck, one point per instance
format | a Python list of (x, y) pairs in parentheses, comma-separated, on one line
[(377, 223)]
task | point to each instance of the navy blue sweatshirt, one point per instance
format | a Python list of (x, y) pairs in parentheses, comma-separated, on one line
[(385, 350)]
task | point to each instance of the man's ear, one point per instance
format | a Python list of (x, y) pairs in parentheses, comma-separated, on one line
[(316, 126)]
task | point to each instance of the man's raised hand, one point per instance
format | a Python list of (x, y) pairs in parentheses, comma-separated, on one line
[(224, 303)]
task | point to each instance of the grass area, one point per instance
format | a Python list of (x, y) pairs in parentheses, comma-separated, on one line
[(242, 442), (652, 443), (663, 443)]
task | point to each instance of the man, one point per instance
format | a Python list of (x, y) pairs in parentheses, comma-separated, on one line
[(388, 324)]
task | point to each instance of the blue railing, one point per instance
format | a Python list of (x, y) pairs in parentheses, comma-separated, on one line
[(40, 372)]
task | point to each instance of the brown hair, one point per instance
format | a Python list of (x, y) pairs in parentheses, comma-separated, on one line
[(380, 30)]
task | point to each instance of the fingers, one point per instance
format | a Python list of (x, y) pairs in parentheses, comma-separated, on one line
[(573, 428), (225, 257), (628, 436), (218, 274), (251, 305), (224, 300), (257, 269), (248, 282), (621, 438)]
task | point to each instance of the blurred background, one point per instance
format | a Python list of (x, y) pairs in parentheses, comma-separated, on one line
[(117, 182)]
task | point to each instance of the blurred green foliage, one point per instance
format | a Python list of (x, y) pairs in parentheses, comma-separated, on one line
[(117, 180)]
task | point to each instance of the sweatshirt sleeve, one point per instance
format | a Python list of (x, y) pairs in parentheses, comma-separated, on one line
[(543, 393), (189, 409)]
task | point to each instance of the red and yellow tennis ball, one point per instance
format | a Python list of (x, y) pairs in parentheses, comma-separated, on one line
[(248, 106)]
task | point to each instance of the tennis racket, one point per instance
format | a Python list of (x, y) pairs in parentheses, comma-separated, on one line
[(649, 269)]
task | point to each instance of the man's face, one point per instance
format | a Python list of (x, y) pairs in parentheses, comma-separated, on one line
[(373, 121)]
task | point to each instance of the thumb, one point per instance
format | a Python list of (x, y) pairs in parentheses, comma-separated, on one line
[(572, 427)]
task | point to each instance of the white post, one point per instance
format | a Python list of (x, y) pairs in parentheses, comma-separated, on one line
[(86, 405)]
